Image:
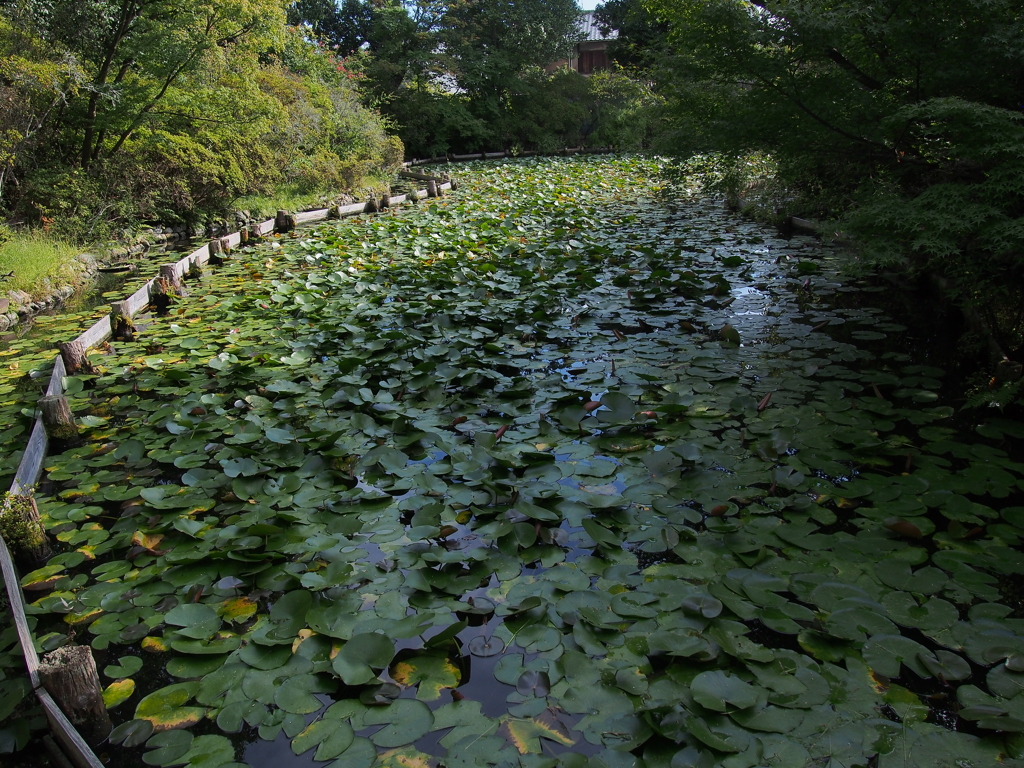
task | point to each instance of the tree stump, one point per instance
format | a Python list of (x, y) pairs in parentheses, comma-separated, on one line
[(73, 353), (57, 418), (169, 273), (216, 248), (24, 532), (161, 295), (69, 675), (284, 222), (121, 327)]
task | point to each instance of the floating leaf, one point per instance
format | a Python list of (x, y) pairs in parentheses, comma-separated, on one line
[(164, 707), (126, 667), (526, 735), (720, 691), (118, 692), (431, 673), (404, 721), (131, 733), (361, 656), (486, 646)]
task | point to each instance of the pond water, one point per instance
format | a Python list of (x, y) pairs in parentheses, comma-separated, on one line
[(571, 468)]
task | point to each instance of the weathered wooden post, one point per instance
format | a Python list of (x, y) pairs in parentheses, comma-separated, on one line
[(30, 544), (73, 354), (385, 202), (284, 222), (215, 249), (432, 188), (121, 327), (170, 275), (57, 417), (372, 205), (160, 297), (69, 675)]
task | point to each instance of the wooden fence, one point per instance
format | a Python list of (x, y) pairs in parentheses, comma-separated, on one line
[(568, 151)]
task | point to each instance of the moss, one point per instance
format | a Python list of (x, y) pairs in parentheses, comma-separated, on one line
[(22, 534)]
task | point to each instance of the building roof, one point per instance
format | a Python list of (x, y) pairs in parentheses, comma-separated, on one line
[(591, 31)]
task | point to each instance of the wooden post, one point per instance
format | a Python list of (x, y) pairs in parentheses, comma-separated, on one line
[(431, 188), (161, 295), (385, 202), (216, 248), (31, 544), (173, 280), (284, 222), (74, 355), (372, 206), (69, 675), (57, 418), (121, 327), (243, 236)]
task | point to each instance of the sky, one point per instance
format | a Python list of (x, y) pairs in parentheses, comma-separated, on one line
[(588, 5)]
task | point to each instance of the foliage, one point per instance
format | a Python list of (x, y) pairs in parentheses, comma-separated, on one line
[(490, 42), (641, 42), (182, 108), (619, 443), (907, 140), (474, 76), (34, 84)]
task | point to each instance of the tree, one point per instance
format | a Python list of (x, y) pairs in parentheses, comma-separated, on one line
[(134, 52), (491, 42), (901, 121), (35, 84), (642, 37)]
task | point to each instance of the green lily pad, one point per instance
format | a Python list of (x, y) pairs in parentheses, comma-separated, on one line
[(404, 721), (361, 656), (722, 692)]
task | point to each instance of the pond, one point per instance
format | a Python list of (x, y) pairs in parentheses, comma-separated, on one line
[(570, 468)]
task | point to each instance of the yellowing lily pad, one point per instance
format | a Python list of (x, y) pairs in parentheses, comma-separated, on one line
[(118, 692), (525, 735), (155, 645), (164, 707), (432, 673)]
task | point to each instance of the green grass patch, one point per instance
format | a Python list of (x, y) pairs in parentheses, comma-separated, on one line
[(39, 263), (292, 197), (289, 198)]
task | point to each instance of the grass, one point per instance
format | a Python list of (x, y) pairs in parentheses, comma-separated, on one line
[(38, 262), (291, 198)]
